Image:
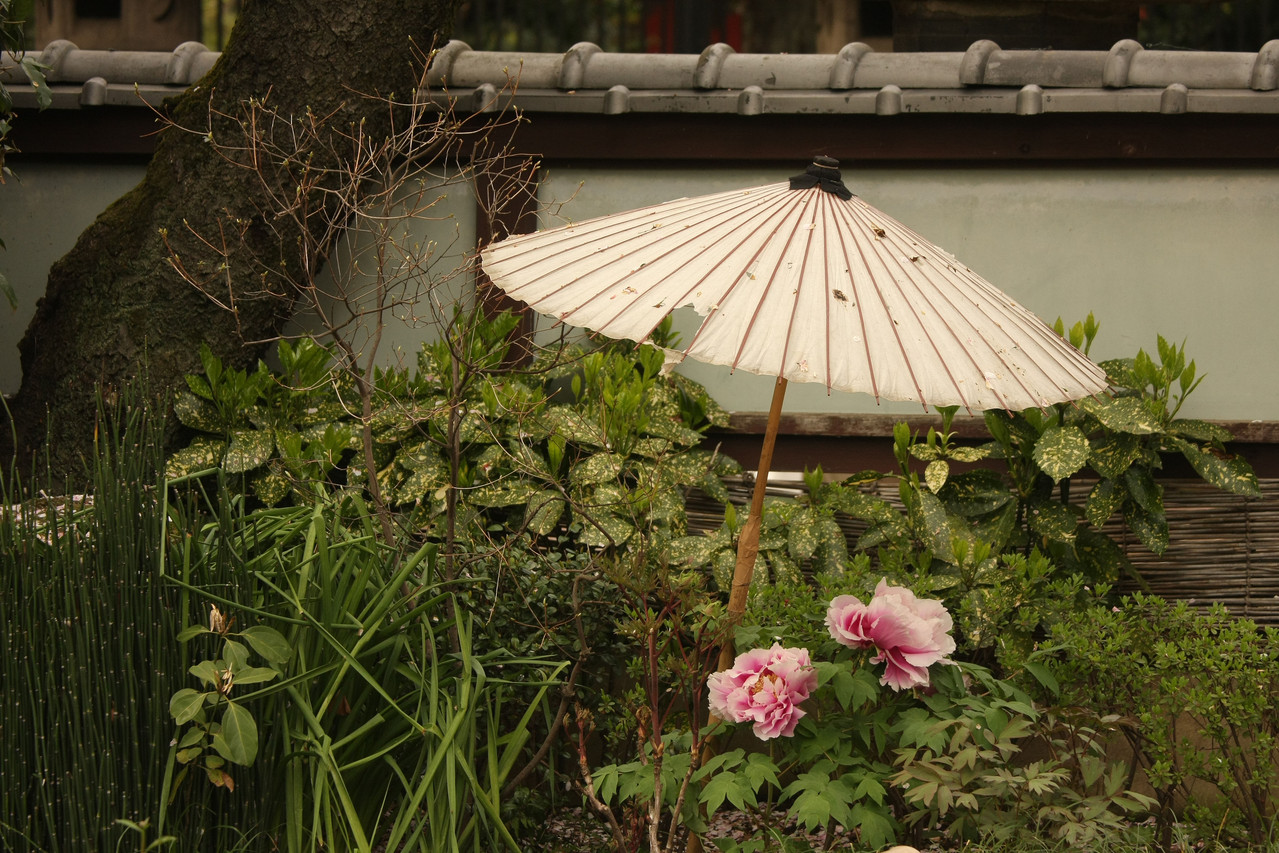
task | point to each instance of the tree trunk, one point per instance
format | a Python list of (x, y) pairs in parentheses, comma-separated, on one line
[(114, 309)]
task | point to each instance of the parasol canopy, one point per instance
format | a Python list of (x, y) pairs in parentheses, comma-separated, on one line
[(805, 281)]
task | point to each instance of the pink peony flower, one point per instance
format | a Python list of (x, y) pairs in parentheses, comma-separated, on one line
[(764, 687), (909, 633)]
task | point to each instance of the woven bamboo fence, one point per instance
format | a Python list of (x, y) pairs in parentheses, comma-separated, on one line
[(1224, 548)]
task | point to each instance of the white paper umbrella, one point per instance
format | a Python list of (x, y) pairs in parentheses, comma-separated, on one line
[(803, 281)]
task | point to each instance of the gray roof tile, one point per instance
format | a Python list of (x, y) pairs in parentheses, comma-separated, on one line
[(586, 79)]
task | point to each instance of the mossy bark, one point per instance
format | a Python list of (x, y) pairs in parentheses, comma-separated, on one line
[(114, 309)]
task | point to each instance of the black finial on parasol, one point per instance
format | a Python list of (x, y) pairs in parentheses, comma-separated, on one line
[(822, 172)]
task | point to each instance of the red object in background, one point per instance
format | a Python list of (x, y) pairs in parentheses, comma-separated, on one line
[(674, 26)]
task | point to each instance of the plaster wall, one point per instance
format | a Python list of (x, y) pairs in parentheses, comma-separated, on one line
[(1189, 253)]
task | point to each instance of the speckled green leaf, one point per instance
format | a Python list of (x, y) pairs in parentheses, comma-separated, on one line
[(322, 410), (653, 448), (1112, 454), (1061, 451), (603, 529), (545, 509), (976, 492), (1123, 414), (1053, 520), (271, 485), (197, 413), (969, 454), (573, 425), (421, 456), (1151, 528), (514, 493), (1104, 500), (858, 504), (1230, 473), (599, 468), (801, 536), (667, 507), (997, 527), (1120, 372), (675, 431), (781, 567), (203, 453), (933, 523), (925, 452), (345, 434), (1197, 430), (722, 570), (832, 546), (691, 551), (1143, 489), (418, 485), (936, 473), (249, 449), (1102, 555)]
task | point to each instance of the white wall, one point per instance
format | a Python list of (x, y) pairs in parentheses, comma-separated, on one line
[(43, 209), (1189, 253)]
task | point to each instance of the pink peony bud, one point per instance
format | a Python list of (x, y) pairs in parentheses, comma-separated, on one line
[(764, 687), (909, 633)]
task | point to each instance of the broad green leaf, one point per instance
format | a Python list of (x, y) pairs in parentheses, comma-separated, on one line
[(206, 672), (270, 484), (573, 425), (969, 454), (514, 493), (1113, 453), (977, 492), (1197, 430), (1143, 489), (598, 468), (201, 454), (801, 535), (237, 742), (675, 431), (1104, 500), (419, 484), (1102, 556), (197, 413), (249, 448), (192, 631), (268, 642), (933, 524), (602, 529), (1151, 528), (254, 675), (1121, 372), (1044, 676), (421, 456), (936, 473), (1053, 520), (1061, 451), (1123, 414), (186, 705), (925, 452), (691, 551), (1230, 473), (544, 512)]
